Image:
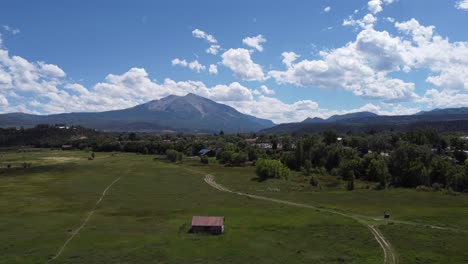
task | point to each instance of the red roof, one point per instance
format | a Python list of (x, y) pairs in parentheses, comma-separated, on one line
[(207, 220)]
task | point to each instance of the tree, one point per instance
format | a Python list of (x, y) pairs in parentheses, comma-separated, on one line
[(239, 159), (132, 137), (330, 137), (267, 169), (307, 168), (408, 165), (172, 155), (378, 170)]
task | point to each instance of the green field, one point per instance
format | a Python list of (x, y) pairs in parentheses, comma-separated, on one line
[(145, 215)]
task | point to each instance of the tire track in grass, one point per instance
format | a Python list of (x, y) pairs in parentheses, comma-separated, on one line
[(389, 253), (85, 221)]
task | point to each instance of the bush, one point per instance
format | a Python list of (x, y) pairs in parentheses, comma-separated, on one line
[(267, 169), (314, 181), (172, 155), (204, 159), (436, 187)]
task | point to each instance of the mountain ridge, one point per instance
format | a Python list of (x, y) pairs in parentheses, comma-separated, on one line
[(443, 120), (190, 113)]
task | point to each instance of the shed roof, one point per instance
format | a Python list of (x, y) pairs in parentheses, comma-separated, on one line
[(207, 220), (204, 151)]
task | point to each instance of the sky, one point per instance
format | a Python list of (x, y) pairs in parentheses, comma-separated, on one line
[(280, 60)]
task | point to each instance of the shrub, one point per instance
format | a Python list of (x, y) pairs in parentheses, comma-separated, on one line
[(266, 169), (171, 155), (436, 187), (204, 159)]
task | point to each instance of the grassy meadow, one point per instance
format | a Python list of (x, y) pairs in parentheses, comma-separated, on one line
[(145, 216)]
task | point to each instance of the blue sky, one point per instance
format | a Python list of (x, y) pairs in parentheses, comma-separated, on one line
[(282, 60)]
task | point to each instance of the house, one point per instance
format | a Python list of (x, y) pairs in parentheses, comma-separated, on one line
[(206, 152), (210, 224), (67, 147)]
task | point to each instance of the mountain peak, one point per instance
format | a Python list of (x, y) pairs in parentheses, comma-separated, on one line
[(188, 113)]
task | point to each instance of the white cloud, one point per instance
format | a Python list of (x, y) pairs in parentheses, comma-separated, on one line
[(255, 42), (289, 58), (266, 90), (213, 69), (359, 67), (51, 70), (240, 62), (444, 98), (213, 49), (462, 4), (3, 100), (193, 65), (363, 66), (12, 30), (375, 6), (75, 87), (234, 92), (180, 62), (196, 66), (368, 21), (197, 33), (327, 9), (421, 34)]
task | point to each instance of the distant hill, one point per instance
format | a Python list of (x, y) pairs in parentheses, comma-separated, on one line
[(360, 115), (443, 120), (190, 114)]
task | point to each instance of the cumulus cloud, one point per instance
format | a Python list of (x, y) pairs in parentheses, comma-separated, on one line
[(359, 67), (255, 42), (213, 69), (462, 4), (197, 33), (327, 9), (444, 98), (289, 58), (193, 65), (375, 6), (240, 62), (367, 21), (266, 90), (364, 65), (213, 49)]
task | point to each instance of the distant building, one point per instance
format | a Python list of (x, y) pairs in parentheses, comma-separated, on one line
[(206, 152), (67, 147), (209, 224)]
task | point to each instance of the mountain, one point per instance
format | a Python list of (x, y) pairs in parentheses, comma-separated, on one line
[(357, 115), (443, 120), (190, 114), (313, 120)]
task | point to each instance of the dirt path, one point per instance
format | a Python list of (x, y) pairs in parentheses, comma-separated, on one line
[(85, 221), (389, 253)]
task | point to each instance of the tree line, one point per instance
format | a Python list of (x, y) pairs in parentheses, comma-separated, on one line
[(421, 157)]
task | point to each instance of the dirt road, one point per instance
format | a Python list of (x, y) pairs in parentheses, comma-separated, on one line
[(389, 252), (85, 221)]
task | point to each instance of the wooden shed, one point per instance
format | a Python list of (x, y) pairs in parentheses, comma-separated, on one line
[(209, 224)]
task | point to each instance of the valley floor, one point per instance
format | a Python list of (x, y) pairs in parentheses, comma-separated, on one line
[(127, 208)]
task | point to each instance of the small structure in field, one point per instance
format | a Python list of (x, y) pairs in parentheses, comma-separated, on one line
[(209, 224), (386, 215), (67, 147)]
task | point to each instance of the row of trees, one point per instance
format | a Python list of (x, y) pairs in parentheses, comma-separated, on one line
[(400, 159)]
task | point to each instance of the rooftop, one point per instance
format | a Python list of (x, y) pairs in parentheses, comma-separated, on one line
[(207, 220)]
